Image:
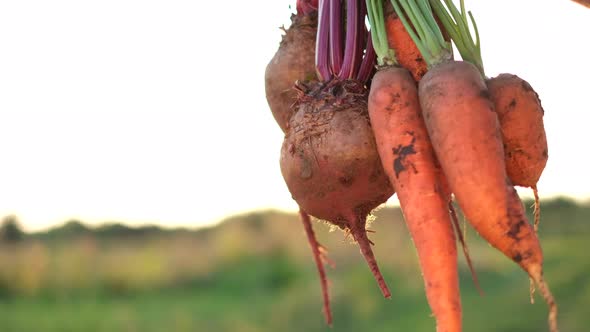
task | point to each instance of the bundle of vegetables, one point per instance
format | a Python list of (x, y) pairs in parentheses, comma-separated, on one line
[(465, 131), (517, 105), (329, 159), (412, 167), (429, 128)]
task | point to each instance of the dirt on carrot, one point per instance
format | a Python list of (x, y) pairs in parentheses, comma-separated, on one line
[(523, 132), (410, 163), (407, 54), (466, 136), (521, 121)]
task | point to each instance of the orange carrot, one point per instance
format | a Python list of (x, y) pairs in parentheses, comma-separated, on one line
[(409, 161), (466, 137), (518, 107), (521, 121), (465, 134), (406, 52)]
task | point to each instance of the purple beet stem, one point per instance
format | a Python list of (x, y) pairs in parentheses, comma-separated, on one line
[(368, 63), (336, 52), (362, 39), (322, 51), (351, 47), (330, 60)]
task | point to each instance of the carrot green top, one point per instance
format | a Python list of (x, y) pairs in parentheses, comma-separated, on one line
[(457, 26), (385, 55), (418, 19)]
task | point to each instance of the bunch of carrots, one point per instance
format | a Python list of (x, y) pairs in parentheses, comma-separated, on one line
[(391, 110)]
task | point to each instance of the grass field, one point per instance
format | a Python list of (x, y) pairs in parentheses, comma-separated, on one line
[(255, 273)]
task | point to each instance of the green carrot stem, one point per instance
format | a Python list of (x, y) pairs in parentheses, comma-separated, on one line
[(456, 24), (419, 21), (385, 55)]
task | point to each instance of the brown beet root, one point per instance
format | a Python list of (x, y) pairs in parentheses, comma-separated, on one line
[(329, 158), (330, 162), (294, 60)]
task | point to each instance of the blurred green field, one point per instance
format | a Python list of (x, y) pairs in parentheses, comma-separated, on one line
[(255, 272)]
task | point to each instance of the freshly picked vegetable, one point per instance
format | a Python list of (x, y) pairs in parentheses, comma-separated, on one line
[(293, 61), (467, 138), (517, 105), (393, 111), (412, 167)]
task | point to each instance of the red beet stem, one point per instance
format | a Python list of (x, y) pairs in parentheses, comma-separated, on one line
[(368, 63), (351, 48), (317, 256), (336, 51), (362, 36), (322, 52)]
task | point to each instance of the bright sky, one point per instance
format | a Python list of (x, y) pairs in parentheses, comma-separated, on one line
[(154, 111)]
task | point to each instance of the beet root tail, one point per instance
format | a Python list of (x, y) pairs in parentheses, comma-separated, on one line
[(359, 233), (319, 255)]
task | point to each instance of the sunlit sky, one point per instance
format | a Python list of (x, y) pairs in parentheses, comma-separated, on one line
[(154, 111)]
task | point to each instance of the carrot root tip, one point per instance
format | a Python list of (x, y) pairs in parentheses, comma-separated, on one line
[(550, 300), (532, 290)]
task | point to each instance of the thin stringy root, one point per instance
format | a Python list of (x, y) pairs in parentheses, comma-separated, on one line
[(532, 290), (324, 256), (320, 257), (546, 293), (537, 219), (465, 248), (359, 234), (537, 208)]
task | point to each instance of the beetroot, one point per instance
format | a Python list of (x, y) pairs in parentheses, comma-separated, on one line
[(329, 158), (330, 163), (294, 61)]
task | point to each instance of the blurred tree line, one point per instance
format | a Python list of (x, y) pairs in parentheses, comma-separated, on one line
[(10, 230), (563, 215)]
